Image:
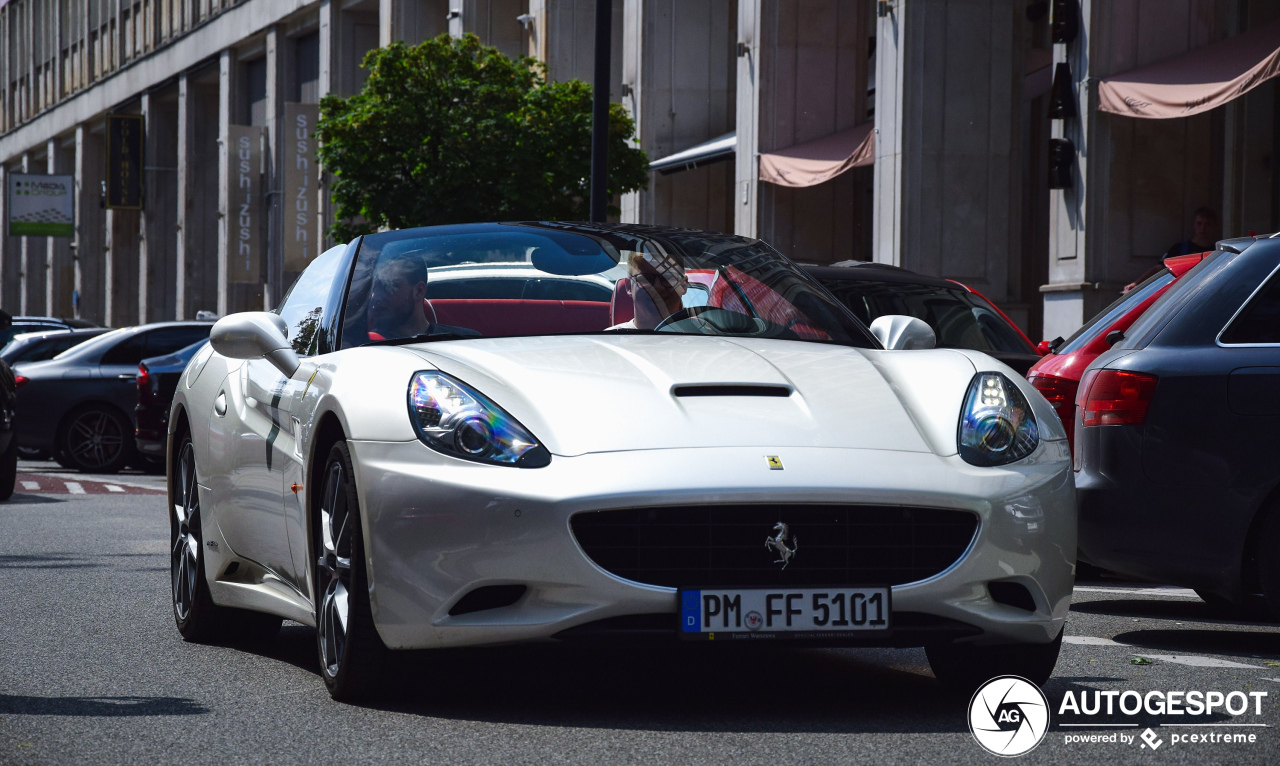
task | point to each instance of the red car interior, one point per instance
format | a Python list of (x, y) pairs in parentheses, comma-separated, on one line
[(497, 316)]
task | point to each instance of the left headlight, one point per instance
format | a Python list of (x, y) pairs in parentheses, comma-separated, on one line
[(996, 423), (460, 421)]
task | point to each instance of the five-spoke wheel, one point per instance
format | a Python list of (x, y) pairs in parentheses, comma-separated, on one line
[(186, 536), (334, 569)]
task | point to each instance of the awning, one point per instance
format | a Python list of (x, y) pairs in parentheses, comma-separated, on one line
[(1196, 81), (716, 149), (822, 159)]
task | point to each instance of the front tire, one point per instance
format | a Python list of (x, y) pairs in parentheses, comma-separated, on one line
[(352, 655), (961, 668)]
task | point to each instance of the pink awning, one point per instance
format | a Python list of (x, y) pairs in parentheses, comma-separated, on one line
[(822, 159), (1195, 81)]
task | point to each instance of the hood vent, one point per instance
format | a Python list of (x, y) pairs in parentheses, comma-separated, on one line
[(730, 389)]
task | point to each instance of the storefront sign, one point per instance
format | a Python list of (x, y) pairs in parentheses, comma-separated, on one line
[(124, 161), (301, 179), (245, 212), (41, 206)]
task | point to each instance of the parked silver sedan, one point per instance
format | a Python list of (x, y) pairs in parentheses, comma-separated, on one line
[(718, 452)]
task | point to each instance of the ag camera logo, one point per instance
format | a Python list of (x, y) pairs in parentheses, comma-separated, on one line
[(1008, 716)]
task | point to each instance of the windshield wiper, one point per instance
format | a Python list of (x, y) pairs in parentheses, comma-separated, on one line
[(425, 337)]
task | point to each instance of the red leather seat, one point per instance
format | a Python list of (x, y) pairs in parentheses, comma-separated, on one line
[(503, 316), (622, 308)]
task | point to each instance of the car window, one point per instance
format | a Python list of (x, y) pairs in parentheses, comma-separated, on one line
[(303, 306), (38, 351), (1118, 308), (129, 351), (578, 279), (958, 318), (1260, 320), (1174, 299), (166, 340)]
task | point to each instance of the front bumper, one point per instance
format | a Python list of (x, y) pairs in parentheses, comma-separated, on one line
[(438, 527)]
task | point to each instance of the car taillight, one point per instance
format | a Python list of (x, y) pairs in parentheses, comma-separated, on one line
[(144, 378), (1061, 395), (1117, 398), (19, 381)]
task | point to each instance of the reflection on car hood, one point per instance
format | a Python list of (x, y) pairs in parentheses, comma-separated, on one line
[(581, 394)]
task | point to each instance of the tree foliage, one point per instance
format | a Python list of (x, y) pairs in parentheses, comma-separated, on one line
[(452, 131)]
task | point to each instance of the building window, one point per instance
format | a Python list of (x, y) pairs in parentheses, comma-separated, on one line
[(306, 62)]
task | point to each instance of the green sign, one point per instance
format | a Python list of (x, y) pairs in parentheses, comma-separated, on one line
[(41, 206)]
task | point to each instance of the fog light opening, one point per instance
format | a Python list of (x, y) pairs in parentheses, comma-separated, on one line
[(488, 597), (1013, 594)]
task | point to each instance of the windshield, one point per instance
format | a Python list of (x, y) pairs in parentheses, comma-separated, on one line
[(95, 345), (1122, 305), (505, 280), (959, 319)]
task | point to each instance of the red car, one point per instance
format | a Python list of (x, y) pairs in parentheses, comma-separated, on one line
[(1057, 375)]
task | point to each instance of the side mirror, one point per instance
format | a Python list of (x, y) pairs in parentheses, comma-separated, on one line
[(903, 333), (255, 335)]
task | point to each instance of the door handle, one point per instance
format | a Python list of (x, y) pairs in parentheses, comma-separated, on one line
[(126, 376)]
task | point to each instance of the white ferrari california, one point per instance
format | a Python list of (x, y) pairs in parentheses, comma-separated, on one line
[(657, 433)]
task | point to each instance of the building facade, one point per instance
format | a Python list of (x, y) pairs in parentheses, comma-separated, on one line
[(909, 132)]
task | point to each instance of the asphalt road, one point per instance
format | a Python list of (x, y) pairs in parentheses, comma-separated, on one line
[(93, 671)]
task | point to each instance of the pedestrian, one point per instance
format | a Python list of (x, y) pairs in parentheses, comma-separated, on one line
[(1204, 233)]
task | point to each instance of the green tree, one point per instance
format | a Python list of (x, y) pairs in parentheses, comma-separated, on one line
[(452, 131)]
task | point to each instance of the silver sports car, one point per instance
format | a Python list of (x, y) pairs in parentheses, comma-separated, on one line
[(656, 433)]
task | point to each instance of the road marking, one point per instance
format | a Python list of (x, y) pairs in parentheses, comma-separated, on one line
[(31, 485), (74, 488), (1090, 641), (113, 488), (1167, 592)]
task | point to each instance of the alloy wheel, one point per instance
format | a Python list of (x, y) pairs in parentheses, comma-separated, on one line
[(334, 570), (186, 540), (95, 439)]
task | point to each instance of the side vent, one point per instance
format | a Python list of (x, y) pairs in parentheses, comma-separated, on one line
[(729, 389), (1012, 594), (487, 597)]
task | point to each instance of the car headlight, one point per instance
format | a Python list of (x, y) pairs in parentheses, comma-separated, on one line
[(996, 423), (460, 421)]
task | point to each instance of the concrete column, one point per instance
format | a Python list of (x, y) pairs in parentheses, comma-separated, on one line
[(948, 100), (225, 70), (158, 255), (60, 269), (90, 241), (746, 162), (271, 180), (25, 248), (8, 296), (198, 176), (183, 179)]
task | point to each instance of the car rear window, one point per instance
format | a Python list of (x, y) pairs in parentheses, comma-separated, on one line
[(1260, 320), (1118, 308)]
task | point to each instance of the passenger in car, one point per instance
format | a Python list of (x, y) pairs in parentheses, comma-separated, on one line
[(397, 300), (658, 283)]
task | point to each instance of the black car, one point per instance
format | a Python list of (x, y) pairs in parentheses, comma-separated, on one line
[(8, 445), (157, 380), (78, 406), (1176, 447), (960, 317), (20, 325), (39, 346)]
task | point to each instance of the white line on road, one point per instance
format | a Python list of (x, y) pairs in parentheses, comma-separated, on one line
[(113, 488), (31, 485), (1168, 592), (74, 488)]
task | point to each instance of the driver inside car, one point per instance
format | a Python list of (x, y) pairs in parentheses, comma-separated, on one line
[(658, 283), (397, 301)]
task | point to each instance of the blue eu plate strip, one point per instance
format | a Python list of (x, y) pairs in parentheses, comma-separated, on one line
[(691, 611)]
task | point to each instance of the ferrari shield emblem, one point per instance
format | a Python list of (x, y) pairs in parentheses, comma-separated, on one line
[(775, 462)]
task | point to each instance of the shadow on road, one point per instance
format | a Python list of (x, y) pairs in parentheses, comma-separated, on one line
[(12, 704), (1238, 643), (45, 561), (1187, 610), (19, 498)]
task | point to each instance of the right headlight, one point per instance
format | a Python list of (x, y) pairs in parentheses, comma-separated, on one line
[(996, 423), (457, 420)]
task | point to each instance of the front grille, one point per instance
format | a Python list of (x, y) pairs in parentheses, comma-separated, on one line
[(724, 546)]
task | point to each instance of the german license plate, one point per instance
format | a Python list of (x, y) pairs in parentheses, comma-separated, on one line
[(709, 613)]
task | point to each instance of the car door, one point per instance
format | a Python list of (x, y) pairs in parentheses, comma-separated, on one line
[(1250, 345)]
